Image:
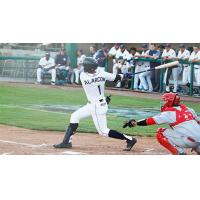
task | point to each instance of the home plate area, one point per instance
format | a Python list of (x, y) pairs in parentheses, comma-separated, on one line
[(20, 141)]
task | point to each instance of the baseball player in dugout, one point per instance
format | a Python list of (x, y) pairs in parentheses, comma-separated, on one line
[(195, 57), (184, 55), (93, 81), (184, 126), (46, 65), (169, 55)]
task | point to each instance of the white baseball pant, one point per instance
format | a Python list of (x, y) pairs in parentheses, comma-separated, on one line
[(97, 111)]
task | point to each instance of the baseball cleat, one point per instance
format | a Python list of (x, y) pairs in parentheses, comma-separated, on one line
[(63, 145), (130, 144)]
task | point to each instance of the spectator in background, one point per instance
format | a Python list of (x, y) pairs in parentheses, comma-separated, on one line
[(184, 54), (92, 53), (121, 62), (145, 77), (195, 57), (80, 68), (46, 66), (63, 69), (101, 56), (153, 53), (169, 55), (113, 51)]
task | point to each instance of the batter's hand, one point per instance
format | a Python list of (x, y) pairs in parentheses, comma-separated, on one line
[(108, 99), (131, 123)]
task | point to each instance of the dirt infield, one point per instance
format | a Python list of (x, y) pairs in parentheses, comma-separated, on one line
[(20, 141)]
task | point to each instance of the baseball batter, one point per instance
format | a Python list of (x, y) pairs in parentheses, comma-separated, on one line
[(93, 81), (184, 125)]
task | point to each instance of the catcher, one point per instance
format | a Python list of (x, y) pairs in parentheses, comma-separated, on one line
[(184, 131)]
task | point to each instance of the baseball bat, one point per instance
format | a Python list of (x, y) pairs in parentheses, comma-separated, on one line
[(163, 66)]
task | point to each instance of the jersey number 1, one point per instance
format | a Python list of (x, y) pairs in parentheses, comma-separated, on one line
[(99, 89)]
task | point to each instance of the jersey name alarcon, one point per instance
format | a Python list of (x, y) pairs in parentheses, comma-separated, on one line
[(94, 84)]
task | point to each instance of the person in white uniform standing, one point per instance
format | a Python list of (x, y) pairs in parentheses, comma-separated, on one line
[(93, 82), (145, 77), (79, 69), (184, 131), (169, 55), (195, 57), (46, 65), (184, 55)]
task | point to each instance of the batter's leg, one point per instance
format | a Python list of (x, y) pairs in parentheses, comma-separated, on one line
[(74, 122), (100, 121)]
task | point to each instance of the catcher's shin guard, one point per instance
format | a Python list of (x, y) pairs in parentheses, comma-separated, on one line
[(66, 143), (164, 141)]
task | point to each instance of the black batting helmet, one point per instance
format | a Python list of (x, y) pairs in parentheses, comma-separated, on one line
[(90, 64)]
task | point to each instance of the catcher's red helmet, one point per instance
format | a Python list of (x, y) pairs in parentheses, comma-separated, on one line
[(171, 99)]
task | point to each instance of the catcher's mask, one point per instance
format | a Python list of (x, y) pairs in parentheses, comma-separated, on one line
[(90, 65), (170, 100)]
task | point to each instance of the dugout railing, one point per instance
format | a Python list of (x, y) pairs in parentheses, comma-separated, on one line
[(24, 68), (162, 71)]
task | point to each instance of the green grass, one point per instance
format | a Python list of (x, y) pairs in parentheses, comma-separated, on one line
[(14, 110)]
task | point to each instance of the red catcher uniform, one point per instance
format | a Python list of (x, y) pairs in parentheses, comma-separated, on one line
[(184, 125)]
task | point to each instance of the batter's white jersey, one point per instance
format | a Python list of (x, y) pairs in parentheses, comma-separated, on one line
[(94, 84)]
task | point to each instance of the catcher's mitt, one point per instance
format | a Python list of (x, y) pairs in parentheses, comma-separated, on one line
[(131, 123)]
